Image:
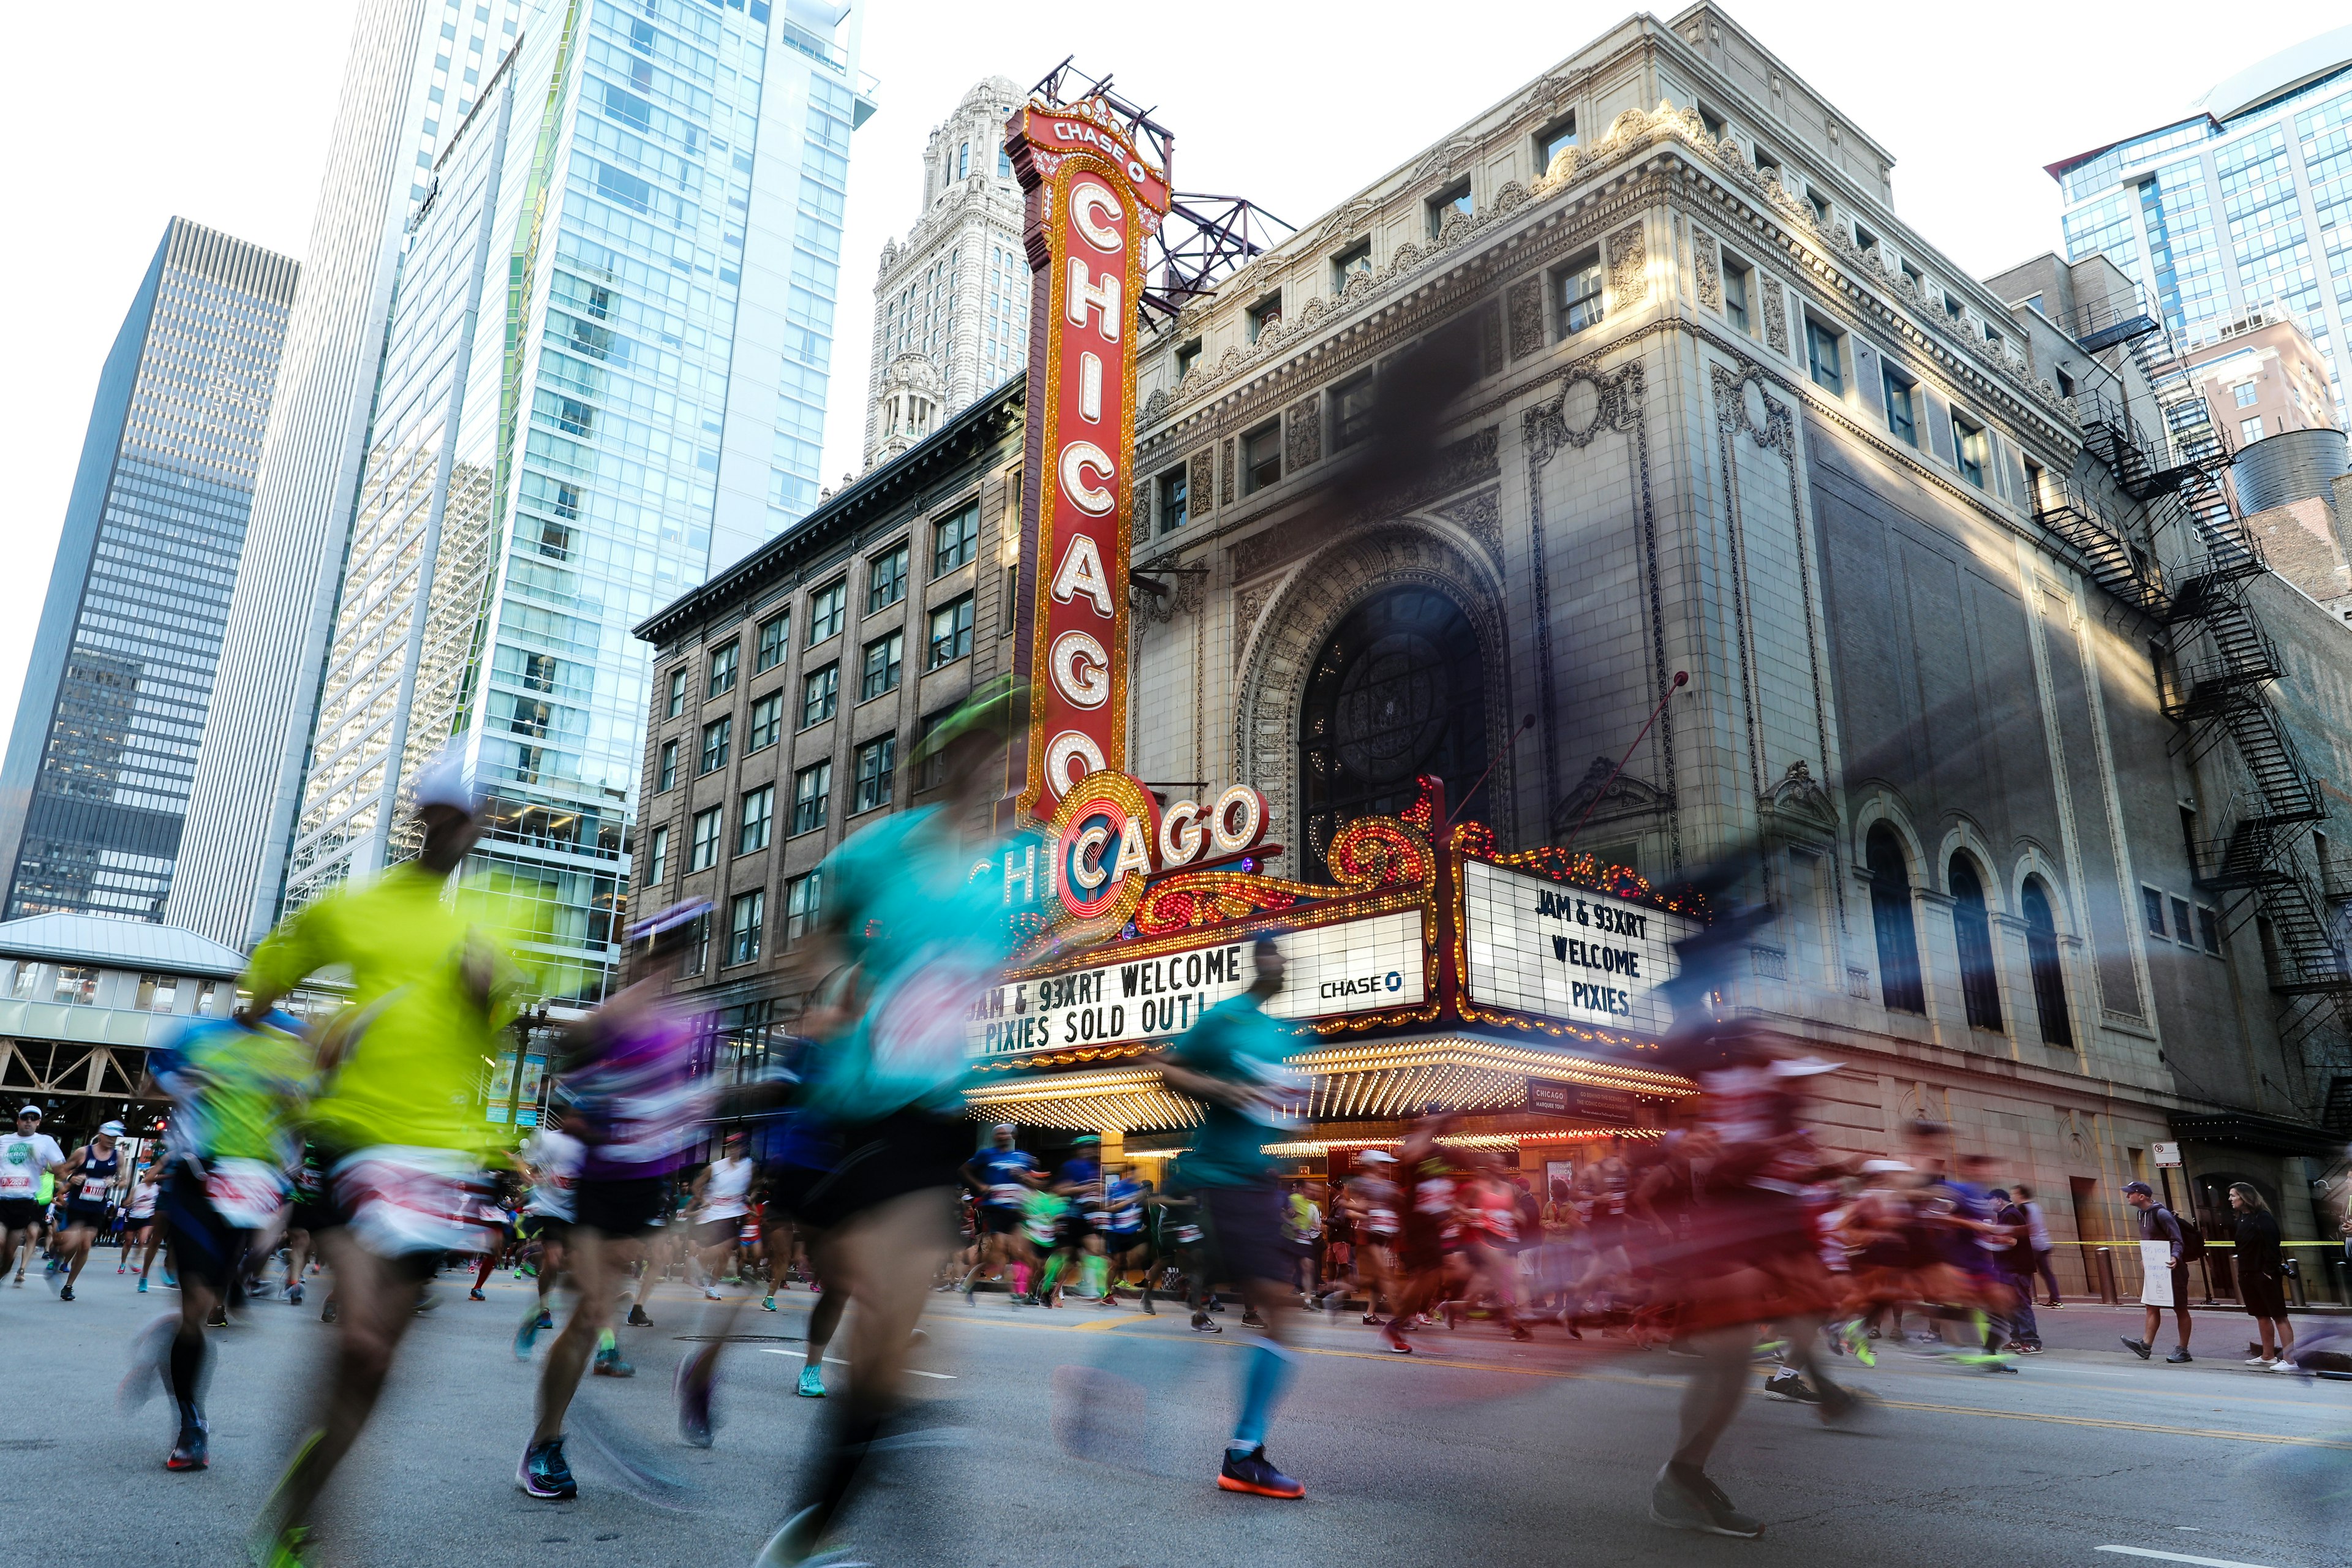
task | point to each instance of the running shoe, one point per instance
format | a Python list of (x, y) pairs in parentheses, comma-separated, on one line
[(427, 1299), (294, 1294), (2179, 1357), (525, 1336), (543, 1474), (1373, 1319), (220, 1318), (142, 1287), (1255, 1473), (546, 1319), (811, 1382), (1206, 1324), (710, 1293), (2137, 1347), (120, 1268), (768, 1302), (1519, 1331), (693, 1391), (1397, 1343), (1786, 1385), (637, 1318), (330, 1312), (1683, 1499), (65, 1294), (1250, 1320), (189, 1452), (476, 1294), (610, 1364)]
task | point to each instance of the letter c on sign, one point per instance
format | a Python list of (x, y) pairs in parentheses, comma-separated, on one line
[(1064, 748), (1087, 199), (1081, 669), (1093, 499)]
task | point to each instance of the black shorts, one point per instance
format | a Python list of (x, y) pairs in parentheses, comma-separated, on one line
[(1245, 1224), (19, 1214), (724, 1232), (629, 1207), (86, 1216), (997, 1221), (541, 1227), (908, 1151), (1119, 1243), (204, 1246)]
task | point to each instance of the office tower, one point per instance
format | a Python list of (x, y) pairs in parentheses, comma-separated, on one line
[(94, 791), (951, 304), (2238, 206), (413, 72), (602, 374)]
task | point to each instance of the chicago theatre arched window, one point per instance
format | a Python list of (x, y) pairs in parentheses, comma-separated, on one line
[(1890, 918), (1972, 928), (2048, 974), (1399, 690)]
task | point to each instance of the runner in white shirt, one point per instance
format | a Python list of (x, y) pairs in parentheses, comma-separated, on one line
[(553, 1157), (719, 1194), (25, 1154), (139, 1225)]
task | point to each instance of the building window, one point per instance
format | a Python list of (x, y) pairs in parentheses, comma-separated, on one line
[(2251, 429), (933, 770), (1865, 241), (812, 795), (767, 723), (74, 984), (2209, 929), (715, 738), (1973, 447), (1912, 276), (950, 633), (1710, 121), (674, 704), (1577, 286), (1187, 356), (1766, 165), (2065, 381), (657, 861), (26, 983), (209, 999), (2033, 303), (1265, 313), (827, 608), (703, 853), (2182, 932), (963, 160), (759, 814), (1352, 410), (1397, 691), (2049, 976), (820, 694), (1262, 457), (746, 913), (881, 672), (1173, 494), (1454, 198), (1972, 928), (1890, 918), (1902, 413), (722, 671), (775, 636), (877, 772), (669, 771), (1552, 141), (955, 539), (886, 579), (1820, 206), (2151, 908), (803, 904), (1356, 261), (1824, 353), (1738, 287), (157, 993), (2245, 395), (1951, 307)]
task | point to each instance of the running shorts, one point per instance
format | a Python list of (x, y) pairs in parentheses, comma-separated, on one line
[(1119, 1243), (909, 1150), (1246, 1223), (205, 1246), (717, 1232), (90, 1217), (999, 1221), (631, 1207), (402, 1202), (1425, 1244), (19, 1214), (541, 1227)]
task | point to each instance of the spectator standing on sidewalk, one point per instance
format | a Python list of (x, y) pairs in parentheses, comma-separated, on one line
[(2015, 1263), (2158, 1223), (2037, 1231), (2262, 1283)]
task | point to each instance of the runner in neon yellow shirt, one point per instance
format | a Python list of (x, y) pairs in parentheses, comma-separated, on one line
[(395, 1120)]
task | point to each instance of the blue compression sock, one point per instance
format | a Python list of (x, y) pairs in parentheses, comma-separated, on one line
[(1267, 1373)]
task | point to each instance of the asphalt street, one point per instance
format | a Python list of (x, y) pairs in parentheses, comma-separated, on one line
[(1474, 1452)]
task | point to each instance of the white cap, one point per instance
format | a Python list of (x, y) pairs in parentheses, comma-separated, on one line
[(31, 1111), (110, 1129), (443, 782)]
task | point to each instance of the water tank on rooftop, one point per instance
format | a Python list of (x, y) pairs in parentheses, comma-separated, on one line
[(2293, 465)]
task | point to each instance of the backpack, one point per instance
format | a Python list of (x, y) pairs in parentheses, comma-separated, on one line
[(2193, 1237)]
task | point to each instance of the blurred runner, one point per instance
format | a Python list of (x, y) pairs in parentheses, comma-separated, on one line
[(28, 1157), (138, 1222), (1002, 1176), (396, 1124), (1232, 1060), (1124, 1243), (553, 1157), (234, 1088), (626, 1073), (89, 1175), (1374, 1203), (918, 908), (721, 1194)]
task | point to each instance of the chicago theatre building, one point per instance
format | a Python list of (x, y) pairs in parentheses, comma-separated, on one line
[(2035, 762)]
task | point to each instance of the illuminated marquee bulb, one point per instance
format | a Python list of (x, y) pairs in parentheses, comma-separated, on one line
[(1095, 500), (1088, 201), (1064, 748), (1237, 819), (1180, 834), (1081, 669)]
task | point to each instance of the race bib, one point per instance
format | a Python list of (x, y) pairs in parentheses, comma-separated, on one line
[(245, 1193)]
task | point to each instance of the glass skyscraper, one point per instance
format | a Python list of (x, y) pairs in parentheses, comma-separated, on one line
[(94, 789), (603, 375), (2246, 201)]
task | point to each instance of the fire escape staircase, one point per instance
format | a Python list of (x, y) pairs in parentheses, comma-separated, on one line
[(2216, 661)]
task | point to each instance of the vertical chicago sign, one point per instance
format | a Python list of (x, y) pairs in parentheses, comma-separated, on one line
[(1093, 203)]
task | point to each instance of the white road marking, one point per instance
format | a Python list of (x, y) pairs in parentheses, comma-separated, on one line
[(2176, 1557), (836, 1361)]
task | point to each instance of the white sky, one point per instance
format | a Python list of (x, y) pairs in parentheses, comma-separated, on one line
[(219, 112)]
